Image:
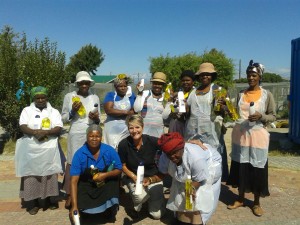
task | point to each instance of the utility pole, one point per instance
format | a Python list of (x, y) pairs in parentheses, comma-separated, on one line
[(240, 62)]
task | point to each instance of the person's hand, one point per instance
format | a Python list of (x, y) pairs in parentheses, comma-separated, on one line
[(197, 142), (94, 116), (99, 177), (41, 135), (146, 182), (255, 117), (71, 213), (76, 106)]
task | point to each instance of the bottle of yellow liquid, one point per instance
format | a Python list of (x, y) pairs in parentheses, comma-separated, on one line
[(219, 93), (231, 109), (168, 91), (81, 111), (94, 171), (46, 124), (188, 193)]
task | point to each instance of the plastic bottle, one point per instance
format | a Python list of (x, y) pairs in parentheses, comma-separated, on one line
[(168, 92), (181, 104), (251, 112), (139, 180), (188, 193), (142, 85), (76, 218), (81, 111), (231, 108), (220, 93), (111, 166), (46, 124), (94, 110), (94, 171)]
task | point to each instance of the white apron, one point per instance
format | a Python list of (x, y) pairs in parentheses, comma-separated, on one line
[(200, 121), (115, 129), (153, 121), (35, 158)]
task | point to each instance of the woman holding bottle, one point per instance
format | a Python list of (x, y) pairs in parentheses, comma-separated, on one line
[(78, 110), (202, 167), (37, 157), (250, 143), (87, 195), (142, 148), (178, 119), (203, 120), (150, 104), (117, 105)]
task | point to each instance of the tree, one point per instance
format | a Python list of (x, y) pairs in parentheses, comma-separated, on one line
[(173, 66), (88, 58), (34, 63)]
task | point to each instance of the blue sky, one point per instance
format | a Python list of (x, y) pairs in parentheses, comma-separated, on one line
[(130, 31)]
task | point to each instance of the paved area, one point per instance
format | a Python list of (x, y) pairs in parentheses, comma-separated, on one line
[(282, 207)]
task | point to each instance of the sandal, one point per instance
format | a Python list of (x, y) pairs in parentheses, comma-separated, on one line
[(257, 210), (33, 210), (236, 205)]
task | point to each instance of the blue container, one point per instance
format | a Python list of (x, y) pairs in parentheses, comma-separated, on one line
[(294, 114)]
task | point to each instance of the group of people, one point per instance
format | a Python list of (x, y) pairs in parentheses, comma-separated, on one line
[(134, 134)]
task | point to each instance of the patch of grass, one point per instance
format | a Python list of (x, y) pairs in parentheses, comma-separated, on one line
[(275, 149)]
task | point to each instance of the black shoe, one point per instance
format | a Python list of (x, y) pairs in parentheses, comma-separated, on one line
[(53, 206), (133, 214), (33, 210), (113, 211)]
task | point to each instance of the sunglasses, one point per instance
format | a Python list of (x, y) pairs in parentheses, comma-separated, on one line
[(84, 83)]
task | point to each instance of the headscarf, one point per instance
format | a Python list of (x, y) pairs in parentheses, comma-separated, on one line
[(120, 77), (170, 142), (39, 90), (256, 68)]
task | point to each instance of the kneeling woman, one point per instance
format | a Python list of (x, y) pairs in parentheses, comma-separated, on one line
[(136, 148), (87, 195), (181, 160)]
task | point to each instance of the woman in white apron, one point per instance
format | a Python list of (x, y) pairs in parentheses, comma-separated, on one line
[(80, 115), (117, 105), (203, 121), (150, 104), (37, 158), (181, 160), (250, 142)]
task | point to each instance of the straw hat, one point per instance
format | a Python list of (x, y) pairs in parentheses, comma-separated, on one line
[(84, 76), (206, 68), (159, 77)]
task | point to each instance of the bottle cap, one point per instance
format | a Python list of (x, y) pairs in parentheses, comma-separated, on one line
[(141, 163), (75, 212), (92, 166), (189, 177), (251, 103), (96, 105)]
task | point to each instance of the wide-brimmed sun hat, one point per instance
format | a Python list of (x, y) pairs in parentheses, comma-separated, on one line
[(159, 77), (84, 76), (206, 68)]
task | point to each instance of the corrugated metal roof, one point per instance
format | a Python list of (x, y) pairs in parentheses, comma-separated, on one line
[(104, 78)]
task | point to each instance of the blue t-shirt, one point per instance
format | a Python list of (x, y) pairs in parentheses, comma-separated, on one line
[(84, 159), (110, 98)]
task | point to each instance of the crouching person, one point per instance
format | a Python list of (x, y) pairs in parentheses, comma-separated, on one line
[(99, 192), (182, 160)]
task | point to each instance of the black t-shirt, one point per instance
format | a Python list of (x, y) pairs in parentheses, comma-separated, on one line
[(148, 154)]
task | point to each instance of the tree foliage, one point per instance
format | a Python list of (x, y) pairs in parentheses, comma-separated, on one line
[(88, 58), (173, 66), (35, 63), (266, 78)]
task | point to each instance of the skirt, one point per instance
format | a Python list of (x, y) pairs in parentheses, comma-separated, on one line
[(34, 187), (248, 179)]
